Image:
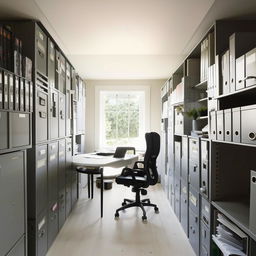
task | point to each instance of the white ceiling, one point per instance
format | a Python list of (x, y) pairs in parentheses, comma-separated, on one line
[(117, 39)]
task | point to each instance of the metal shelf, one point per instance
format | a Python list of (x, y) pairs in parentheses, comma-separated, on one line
[(236, 211), (202, 85), (202, 100), (234, 143)]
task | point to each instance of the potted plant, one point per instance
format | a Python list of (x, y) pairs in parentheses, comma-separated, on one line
[(194, 114), (202, 111)]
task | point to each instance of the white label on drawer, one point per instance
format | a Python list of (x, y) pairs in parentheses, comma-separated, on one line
[(184, 189), (5, 78), (53, 146), (61, 153), (192, 199), (41, 163), (41, 223), (41, 47), (11, 81), (42, 152), (22, 115), (1, 79), (206, 208), (52, 157), (6, 98), (251, 58)]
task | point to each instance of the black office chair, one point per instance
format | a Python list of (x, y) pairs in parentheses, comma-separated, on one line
[(141, 177)]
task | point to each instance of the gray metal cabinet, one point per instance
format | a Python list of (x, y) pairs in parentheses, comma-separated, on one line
[(68, 176), (41, 178), (61, 183), (194, 201), (62, 74), (194, 231), (62, 114), (236, 124), (41, 50), (194, 173), (205, 238), (52, 172), (177, 198), (19, 248), (184, 206), (52, 223), (12, 199), (184, 158), (41, 233), (54, 114), (51, 63), (20, 129), (204, 181), (68, 100), (177, 159), (3, 130), (41, 116)]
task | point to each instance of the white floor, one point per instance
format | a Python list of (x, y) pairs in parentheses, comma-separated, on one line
[(86, 234)]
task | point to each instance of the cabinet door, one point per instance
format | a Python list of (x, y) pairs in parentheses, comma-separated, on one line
[(194, 231), (19, 248), (52, 223), (20, 129), (42, 231), (42, 117), (62, 114), (61, 183), (184, 207), (52, 172), (51, 63), (3, 130), (41, 53), (12, 199), (41, 178), (54, 114)]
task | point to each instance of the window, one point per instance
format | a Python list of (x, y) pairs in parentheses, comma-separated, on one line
[(122, 119)]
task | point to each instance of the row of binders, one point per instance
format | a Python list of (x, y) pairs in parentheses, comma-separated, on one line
[(11, 57), (16, 93), (207, 56)]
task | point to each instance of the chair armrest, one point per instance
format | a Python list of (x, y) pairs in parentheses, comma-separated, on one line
[(133, 172), (135, 166)]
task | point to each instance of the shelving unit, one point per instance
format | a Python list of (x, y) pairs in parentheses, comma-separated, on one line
[(209, 175)]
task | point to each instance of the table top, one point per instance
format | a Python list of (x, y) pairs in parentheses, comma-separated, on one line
[(93, 160)]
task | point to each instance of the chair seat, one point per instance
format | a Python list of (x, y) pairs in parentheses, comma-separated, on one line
[(88, 170), (128, 180)]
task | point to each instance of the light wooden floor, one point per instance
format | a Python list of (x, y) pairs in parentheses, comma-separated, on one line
[(86, 234)]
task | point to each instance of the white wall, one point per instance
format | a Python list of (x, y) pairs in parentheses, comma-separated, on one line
[(155, 105)]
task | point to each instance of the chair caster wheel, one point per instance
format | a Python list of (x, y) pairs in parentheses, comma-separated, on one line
[(123, 204), (116, 215), (156, 210), (144, 218)]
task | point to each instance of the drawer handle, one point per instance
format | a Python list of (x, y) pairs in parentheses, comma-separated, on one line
[(254, 179), (252, 136), (227, 132), (205, 220), (214, 132), (195, 167), (236, 133), (219, 132)]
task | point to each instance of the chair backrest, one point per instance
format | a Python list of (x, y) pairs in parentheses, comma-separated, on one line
[(152, 151)]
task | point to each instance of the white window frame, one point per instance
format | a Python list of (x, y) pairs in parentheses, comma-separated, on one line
[(98, 89)]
